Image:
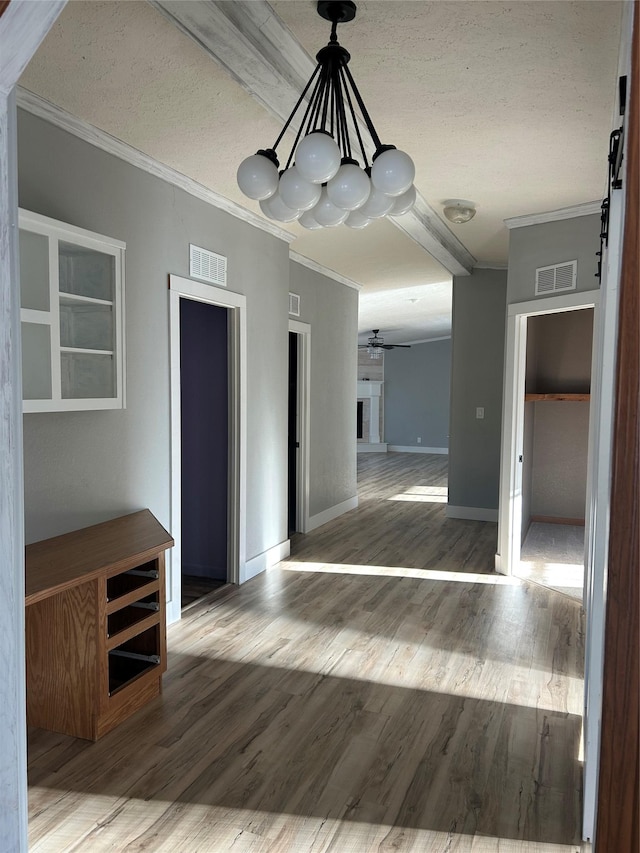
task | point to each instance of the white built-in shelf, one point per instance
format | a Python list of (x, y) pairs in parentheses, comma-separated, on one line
[(72, 314)]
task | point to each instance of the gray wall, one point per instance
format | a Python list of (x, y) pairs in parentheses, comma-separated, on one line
[(416, 395), (560, 446), (332, 311), (85, 467), (551, 243), (477, 363)]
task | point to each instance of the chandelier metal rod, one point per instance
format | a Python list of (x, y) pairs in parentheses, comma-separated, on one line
[(355, 120), (363, 109), (305, 116), (295, 109)]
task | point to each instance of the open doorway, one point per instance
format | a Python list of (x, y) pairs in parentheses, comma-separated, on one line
[(555, 449), (204, 412), (545, 477), (226, 323), (299, 423)]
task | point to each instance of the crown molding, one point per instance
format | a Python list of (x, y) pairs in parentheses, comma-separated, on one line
[(40, 107), (586, 209), (297, 258), (256, 48)]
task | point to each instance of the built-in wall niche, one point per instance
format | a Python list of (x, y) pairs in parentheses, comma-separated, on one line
[(556, 417), (71, 295)]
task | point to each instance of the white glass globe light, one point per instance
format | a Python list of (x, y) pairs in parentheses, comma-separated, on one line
[(308, 221), (350, 186), (296, 192), (258, 177), (377, 205), (326, 213), (403, 203), (356, 220), (275, 208), (393, 172), (317, 157)]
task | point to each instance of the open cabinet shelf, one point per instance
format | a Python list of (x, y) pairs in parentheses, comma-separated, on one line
[(95, 624)]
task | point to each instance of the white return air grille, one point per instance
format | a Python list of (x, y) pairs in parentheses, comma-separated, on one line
[(294, 305), (207, 265), (556, 278)]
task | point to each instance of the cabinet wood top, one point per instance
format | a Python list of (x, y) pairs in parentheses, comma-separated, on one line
[(53, 565)]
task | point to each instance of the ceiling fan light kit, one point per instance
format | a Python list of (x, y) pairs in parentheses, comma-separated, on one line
[(375, 345), (322, 175)]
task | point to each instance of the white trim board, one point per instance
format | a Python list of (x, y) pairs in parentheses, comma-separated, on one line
[(586, 209), (316, 267), (471, 513), (332, 512), (414, 448), (266, 560), (55, 115), (185, 288), (365, 447)]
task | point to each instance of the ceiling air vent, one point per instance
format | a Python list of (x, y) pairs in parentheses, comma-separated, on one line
[(207, 265), (294, 305), (556, 278)]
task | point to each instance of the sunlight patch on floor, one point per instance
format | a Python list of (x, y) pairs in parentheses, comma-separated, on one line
[(399, 572), (423, 494), (556, 574), (115, 822)]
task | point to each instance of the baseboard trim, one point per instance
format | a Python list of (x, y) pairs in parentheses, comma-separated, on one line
[(266, 560), (331, 513), (471, 513), (363, 447), (411, 448)]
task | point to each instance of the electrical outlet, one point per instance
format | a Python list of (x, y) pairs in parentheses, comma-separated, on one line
[(480, 412), (419, 439)]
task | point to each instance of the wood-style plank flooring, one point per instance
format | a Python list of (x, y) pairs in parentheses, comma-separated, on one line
[(344, 707)]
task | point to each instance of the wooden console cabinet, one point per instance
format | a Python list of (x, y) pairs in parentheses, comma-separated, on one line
[(95, 624)]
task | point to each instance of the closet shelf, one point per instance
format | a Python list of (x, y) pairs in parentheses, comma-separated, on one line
[(569, 398)]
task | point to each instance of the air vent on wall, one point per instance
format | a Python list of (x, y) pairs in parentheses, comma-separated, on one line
[(294, 304), (556, 278), (207, 265)]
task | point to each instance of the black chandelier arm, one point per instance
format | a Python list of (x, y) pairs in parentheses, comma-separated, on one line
[(295, 109), (343, 116), (305, 116), (353, 116), (363, 109)]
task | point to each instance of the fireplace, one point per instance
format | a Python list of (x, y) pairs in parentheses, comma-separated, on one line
[(369, 417)]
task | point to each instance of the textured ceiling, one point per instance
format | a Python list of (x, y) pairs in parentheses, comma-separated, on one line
[(507, 104)]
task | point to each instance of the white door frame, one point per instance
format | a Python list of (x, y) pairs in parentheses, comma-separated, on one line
[(185, 288), (510, 506), (303, 403)]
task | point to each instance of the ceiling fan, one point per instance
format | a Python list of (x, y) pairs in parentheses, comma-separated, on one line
[(375, 344)]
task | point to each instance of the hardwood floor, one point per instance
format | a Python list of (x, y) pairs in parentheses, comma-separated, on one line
[(315, 709)]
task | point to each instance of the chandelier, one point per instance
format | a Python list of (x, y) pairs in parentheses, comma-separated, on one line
[(327, 179)]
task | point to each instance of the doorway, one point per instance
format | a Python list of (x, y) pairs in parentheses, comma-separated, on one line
[(299, 423), (204, 414), (555, 449), (293, 443), (515, 494), (232, 323)]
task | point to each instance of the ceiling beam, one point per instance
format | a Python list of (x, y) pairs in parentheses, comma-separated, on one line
[(255, 47)]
